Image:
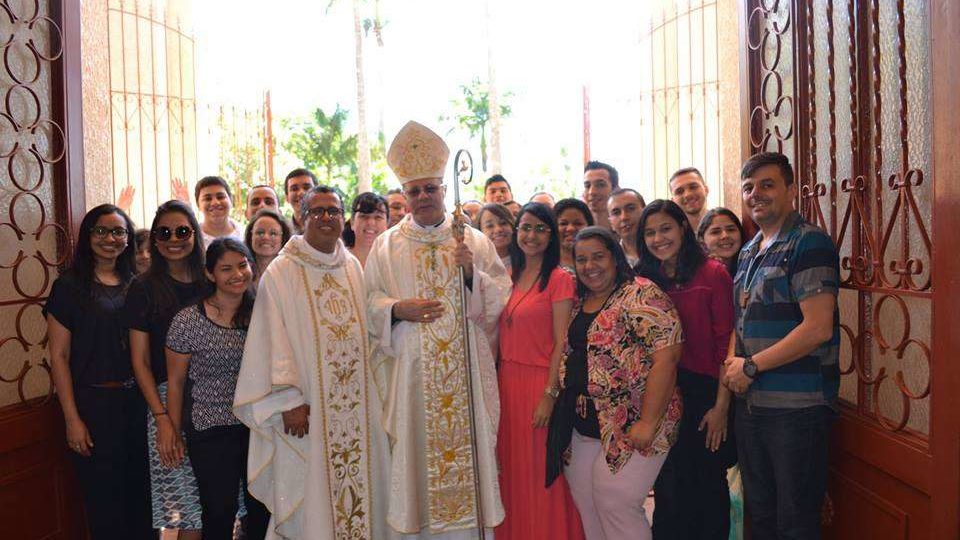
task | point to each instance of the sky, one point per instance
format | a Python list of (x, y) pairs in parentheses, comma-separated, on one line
[(544, 53)]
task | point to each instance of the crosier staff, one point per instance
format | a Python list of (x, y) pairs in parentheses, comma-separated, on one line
[(463, 172)]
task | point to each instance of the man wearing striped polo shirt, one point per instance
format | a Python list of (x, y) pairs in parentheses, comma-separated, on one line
[(785, 371)]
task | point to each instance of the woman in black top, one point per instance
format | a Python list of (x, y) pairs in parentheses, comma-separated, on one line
[(104, 412), (174, 280)]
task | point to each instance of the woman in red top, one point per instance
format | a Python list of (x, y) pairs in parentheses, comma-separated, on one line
[(692, 497), (532, 327)]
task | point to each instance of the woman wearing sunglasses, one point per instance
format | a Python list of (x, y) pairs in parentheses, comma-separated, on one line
[(532, 326), (104, 413), (175, 279)]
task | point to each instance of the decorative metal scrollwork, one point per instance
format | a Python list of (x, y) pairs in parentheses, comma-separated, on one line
[(31, 141)]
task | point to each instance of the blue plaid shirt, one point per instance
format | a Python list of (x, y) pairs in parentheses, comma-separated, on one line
[(800, 262)]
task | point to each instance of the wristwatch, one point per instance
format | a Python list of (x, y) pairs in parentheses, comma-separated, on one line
[(749, 367), (552, 391)]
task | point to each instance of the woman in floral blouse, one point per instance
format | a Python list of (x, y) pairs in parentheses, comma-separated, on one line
[(619, 409)]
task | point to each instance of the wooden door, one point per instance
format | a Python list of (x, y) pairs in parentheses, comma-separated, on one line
[(862, 95), (41, 198)]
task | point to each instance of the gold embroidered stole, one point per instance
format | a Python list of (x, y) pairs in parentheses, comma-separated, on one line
[(450, 473), (341, 345)]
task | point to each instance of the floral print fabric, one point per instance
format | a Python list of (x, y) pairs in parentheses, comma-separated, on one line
[(636, 322)]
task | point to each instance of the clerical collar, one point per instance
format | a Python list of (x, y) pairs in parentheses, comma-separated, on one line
[(433, 227), (300, 250), (432, 234)]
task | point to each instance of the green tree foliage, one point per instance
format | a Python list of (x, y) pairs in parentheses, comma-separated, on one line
[(320, 142), (473, 113)]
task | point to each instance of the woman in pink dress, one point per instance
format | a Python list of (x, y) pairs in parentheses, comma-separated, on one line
[(532, 328)]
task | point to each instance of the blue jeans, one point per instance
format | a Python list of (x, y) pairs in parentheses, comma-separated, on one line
[(783, 463)]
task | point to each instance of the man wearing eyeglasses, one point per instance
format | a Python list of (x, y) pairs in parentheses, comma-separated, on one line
[(413, 302), (306, 391)]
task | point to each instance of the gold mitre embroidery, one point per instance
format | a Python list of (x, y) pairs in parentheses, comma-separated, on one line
[(417, 152)]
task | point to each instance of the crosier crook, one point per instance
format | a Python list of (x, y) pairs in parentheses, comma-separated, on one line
[(463, 172)]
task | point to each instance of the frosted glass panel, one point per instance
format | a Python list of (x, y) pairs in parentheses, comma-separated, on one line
[(27, 199), (903, 324), (849, 319)]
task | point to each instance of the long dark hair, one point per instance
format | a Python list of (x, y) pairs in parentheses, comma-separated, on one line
[(612, 244), (217, 249), (82, 266), (708, 220), (551, 256), (157, 278), (690, 258)]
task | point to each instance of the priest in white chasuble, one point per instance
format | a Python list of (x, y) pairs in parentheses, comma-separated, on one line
[(318, 455), (414, 303)]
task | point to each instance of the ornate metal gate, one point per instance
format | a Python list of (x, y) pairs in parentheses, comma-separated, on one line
[(844, 88)]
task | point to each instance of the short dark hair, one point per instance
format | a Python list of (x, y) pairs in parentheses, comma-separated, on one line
[(621, 191), (763, 159), (268, 186), (686, 170), (595, 165), (547, 193), (208, 181), (395, 191), (565, 204), (690, 258), (612, 243), (305, 201), (143, 238), (299, 171), (496, 178)]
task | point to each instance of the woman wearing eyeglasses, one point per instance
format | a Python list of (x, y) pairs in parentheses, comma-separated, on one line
[(175, 279), (266, 234), (532, 326), (104, 413)]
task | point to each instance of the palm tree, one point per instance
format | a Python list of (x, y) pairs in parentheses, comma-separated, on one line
[(473, 113), (363, 144)]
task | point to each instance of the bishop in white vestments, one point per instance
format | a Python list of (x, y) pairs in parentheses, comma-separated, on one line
[(413, 301), (318, 455)]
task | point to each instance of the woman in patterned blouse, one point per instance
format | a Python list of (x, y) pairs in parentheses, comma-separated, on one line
[(205, 345), (619, 410)]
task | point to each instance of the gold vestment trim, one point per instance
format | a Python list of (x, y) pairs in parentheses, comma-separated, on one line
[(341, 369), (450, 472)]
